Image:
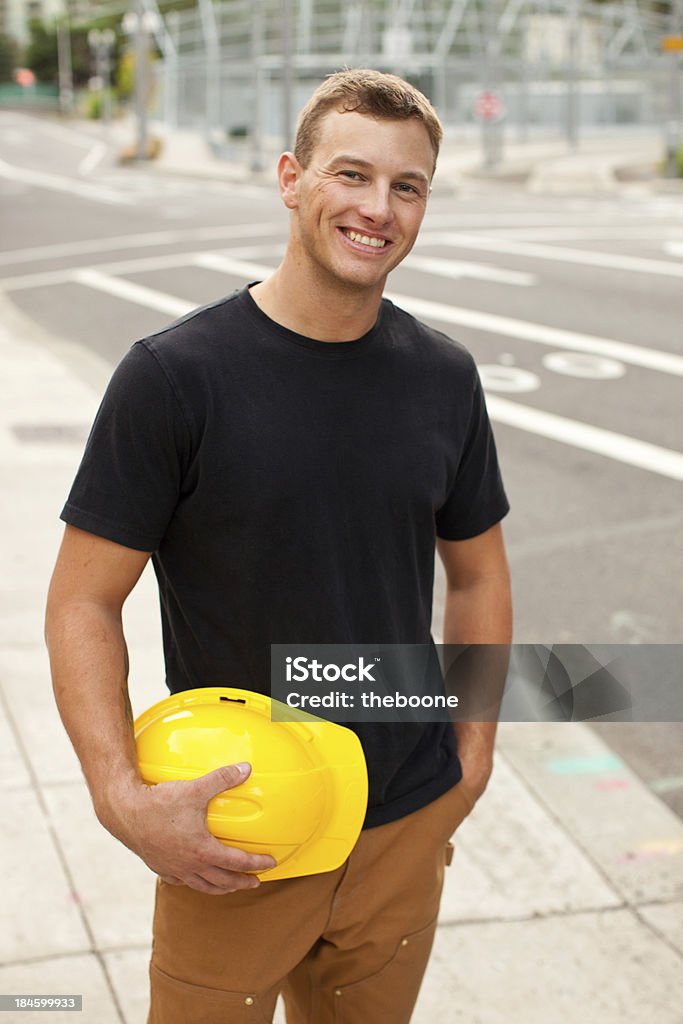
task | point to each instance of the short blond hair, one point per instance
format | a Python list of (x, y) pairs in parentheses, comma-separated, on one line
[(364, 91)]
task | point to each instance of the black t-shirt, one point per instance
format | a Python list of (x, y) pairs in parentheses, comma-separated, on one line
[(291, 491)]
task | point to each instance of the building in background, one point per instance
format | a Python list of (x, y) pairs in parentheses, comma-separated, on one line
[(15, 15)]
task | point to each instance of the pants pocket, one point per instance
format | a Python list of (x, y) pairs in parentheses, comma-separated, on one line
[(389, 995), (178, 1002)]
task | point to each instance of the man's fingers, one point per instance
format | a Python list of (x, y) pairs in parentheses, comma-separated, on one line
[(229, 881), (228, 857), (201, 884), (220, 779), (233, 859)]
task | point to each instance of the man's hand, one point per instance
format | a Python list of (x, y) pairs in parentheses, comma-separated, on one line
[(165, 825), (475, 777), (475, 742)]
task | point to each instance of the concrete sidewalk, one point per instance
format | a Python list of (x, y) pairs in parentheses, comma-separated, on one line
[(564, 903)]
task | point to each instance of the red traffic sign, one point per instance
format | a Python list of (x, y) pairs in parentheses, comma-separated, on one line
[(24, 77), (489, 106)]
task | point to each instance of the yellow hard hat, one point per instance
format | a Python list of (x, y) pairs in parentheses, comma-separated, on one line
[(305, 800)]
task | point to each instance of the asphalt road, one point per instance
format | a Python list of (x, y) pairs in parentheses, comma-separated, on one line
[(571, 306)]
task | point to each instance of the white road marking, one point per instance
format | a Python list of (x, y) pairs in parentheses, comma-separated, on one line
[(563, 216), (131, 292), (587, 232), (138, 241), (491, 323), (92, 159), (629, 450), (15, 136), (65, 133), (138, 266), (58, 183), (584, 257), (229, 265), (455, 269), (580, 364), (496, 377), (651, 359), (674, 248)]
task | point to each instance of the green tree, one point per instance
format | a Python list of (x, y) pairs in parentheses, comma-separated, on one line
[(9, 57), (41, 53)]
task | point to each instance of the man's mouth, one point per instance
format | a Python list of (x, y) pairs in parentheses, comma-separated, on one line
[(373, 241)]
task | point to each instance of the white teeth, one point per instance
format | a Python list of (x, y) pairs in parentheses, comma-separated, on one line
[(376, 243)]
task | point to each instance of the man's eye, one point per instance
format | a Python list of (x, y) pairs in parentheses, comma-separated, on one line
[(353, 175), (403, 186)]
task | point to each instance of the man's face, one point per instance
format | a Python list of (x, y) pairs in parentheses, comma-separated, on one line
[(359, 204)]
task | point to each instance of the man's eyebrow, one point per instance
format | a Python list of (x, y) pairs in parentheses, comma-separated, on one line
[(356, 161)]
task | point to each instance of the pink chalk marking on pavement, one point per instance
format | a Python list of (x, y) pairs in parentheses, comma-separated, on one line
[(651, 849)]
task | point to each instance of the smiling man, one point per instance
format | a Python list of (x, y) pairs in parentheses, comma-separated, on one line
[(357, 200), (290, 457)]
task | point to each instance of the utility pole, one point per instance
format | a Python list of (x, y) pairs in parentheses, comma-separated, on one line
[(101, 42), (491, 117), (141, 78), (66, 85), (212, 106), (138, 23), (257, 49), (287, 76), (674, 129), (572, 75)]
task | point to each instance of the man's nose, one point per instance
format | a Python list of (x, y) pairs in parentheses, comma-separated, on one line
[(376, 204)]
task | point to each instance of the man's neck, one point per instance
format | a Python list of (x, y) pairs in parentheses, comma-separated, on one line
[(319, 308)]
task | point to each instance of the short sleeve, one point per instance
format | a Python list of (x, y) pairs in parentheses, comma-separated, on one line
[(477, 498), (130, 478)]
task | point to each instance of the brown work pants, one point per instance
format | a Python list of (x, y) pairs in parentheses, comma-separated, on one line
[(349, 946)]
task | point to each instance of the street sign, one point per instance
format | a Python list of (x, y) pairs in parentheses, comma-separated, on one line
[(24, 77), (489, 106), (670, 44)]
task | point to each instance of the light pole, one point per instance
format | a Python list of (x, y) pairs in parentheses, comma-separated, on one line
[(101, 42), (66, 85), (258, 84), (573, 75), (287, 72), (139, 23), (673, 45), (492, 111)]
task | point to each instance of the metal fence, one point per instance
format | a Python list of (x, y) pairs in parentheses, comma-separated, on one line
[(242, 68)]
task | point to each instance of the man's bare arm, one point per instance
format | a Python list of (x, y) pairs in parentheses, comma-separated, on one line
[(165, 824), (478, 611)]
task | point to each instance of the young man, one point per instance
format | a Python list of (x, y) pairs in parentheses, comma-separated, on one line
[(289, 457)]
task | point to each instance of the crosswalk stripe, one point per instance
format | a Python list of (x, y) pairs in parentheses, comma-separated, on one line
[(562, 254), (541, 334), (616, 446)]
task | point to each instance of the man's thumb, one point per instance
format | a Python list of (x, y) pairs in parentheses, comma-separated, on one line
[(226, 777)]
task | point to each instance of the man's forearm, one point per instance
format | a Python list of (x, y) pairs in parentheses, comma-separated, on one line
[(89, 664), (480, 614)]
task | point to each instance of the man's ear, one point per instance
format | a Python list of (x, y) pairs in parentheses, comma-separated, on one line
[(288, 173)]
